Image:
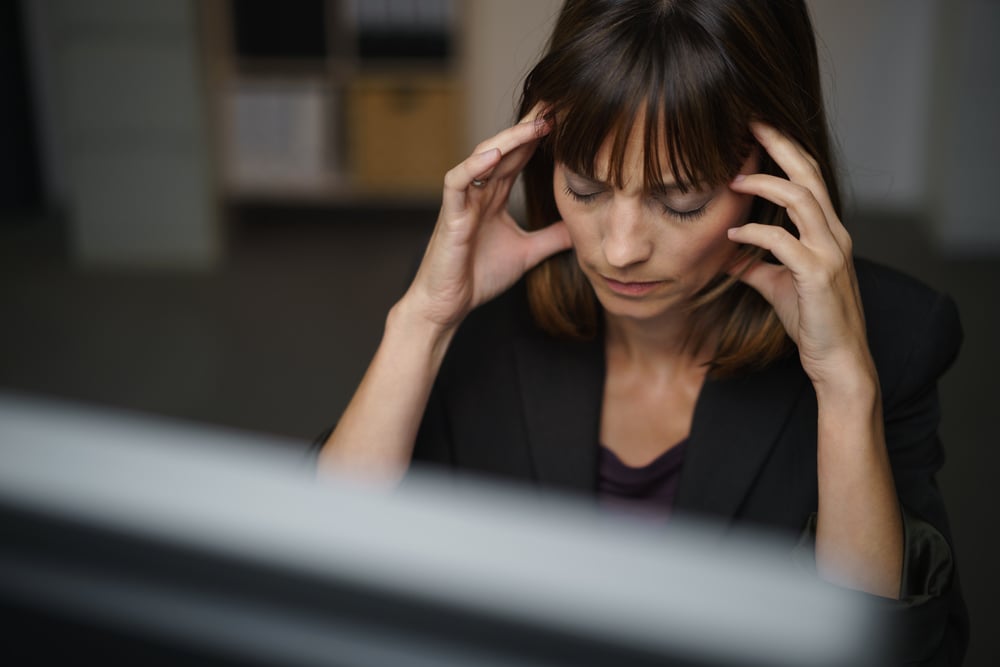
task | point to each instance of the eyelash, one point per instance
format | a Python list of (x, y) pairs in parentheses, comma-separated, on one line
[(583, 199), (693, 214)]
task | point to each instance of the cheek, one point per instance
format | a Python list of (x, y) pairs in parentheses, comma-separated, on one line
[(733, 212), (576, 220), (712, 241), (742, 205), (705, 252)]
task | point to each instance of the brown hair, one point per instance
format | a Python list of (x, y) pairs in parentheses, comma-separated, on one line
[(695, 73)]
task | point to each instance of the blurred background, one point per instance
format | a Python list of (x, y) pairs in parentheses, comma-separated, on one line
[(207, 208)]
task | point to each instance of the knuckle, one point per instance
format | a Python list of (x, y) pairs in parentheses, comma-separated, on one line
[(814, 163), (822, 273), (801, 196), (828, 272), (847, 243), (453, 178)]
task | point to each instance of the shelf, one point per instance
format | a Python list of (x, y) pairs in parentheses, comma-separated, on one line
[(331, 129)]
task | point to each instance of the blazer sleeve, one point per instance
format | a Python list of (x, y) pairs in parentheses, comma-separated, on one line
[(931, 619)]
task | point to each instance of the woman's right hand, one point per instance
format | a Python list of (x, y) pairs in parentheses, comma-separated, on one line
[(476, 252), (477, 249)]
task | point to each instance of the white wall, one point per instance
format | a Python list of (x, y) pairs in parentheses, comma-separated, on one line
[(877, 59), (964, 167), (501, 41), (913, 88), (124, 129)]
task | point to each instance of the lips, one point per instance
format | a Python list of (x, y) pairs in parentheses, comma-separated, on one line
[(634, 288)]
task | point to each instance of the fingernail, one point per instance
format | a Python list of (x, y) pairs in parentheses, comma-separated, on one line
[(492, 152), (731, 231), (738, 178)]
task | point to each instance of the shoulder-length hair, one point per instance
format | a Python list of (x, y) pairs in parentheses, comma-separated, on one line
[(694, 73)]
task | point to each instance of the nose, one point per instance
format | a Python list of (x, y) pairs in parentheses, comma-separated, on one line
[(627, 237)]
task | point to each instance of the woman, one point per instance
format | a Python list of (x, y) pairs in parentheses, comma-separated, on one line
[(684, 327)]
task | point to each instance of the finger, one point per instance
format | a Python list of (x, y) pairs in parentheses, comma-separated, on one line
[(513, 163), (514, 159), (794, 160), (488, 154), (503, 176), (786, 151), (546, 242), (526, 131), (804, 210), (536, 112), (761, 276), (458, 180), (786, 248)]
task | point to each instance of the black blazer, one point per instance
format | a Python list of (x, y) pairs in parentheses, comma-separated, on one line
[(513, 402)]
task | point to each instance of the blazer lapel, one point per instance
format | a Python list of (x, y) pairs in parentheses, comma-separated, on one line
[(562, 387), (736, 423)]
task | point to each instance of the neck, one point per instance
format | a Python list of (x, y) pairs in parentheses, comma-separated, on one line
[(660, 343)]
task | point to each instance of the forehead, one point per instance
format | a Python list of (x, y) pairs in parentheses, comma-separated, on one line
[(628, 157), (632, 153)]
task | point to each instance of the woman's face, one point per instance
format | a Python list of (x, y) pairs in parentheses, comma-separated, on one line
[(646, 253)]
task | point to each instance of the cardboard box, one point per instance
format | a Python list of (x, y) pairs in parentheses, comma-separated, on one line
[(403, 133)]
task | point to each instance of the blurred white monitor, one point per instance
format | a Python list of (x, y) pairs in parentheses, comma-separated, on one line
[(143, 541)]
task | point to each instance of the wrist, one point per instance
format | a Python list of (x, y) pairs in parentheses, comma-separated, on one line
[(411, 326), (850, 377), (849, 409)]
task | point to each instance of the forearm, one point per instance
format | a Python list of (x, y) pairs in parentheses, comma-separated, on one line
[(859, 534), (375, 436)]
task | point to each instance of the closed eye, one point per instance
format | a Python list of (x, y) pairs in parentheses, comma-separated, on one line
[(685, 214), (688, 214), (583, 197)]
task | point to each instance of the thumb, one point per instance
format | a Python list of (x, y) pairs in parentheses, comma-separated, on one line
[(546, 242)]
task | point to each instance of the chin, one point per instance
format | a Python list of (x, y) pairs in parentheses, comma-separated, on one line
[(637, 309)]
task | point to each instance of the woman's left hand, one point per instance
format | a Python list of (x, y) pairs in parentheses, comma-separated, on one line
[(814, 290)]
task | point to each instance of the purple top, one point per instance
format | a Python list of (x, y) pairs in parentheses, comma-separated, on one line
[(647, 491)]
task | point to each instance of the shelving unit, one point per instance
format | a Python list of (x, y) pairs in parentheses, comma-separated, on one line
[(333, 101)]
